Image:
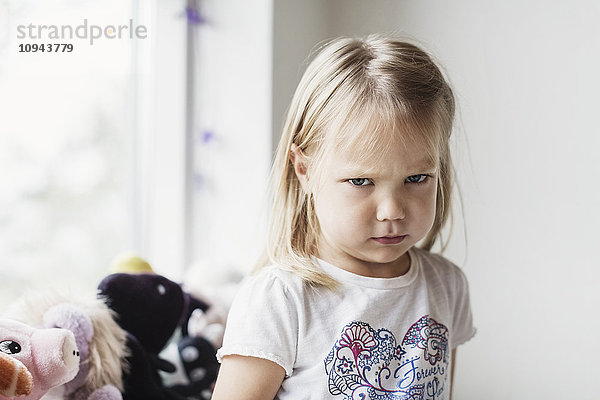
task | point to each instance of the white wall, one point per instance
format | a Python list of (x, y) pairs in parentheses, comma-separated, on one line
[(525, 73), (297, 27)]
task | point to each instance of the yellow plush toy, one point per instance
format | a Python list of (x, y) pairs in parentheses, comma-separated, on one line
[(130, 263)]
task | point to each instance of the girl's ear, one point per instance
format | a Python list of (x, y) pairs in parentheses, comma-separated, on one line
[(300, 166)]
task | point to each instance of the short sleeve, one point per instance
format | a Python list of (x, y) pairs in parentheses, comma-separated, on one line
[(463, 319), (263, 322)]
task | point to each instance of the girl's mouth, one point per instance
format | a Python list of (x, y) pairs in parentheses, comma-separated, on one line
[(389, 239)]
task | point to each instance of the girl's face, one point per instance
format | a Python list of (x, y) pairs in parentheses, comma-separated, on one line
[(370, 215)]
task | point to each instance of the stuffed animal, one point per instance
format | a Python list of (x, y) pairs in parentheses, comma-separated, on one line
[(15, 378), (195, 358), (100, 340), (150, 308), (196, 367), (50, 355)]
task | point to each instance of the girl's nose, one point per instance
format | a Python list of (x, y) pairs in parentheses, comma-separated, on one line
[(390, 209)]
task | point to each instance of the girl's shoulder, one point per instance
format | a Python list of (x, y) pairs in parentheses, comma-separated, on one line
[(436, 266), (274, 280), (276, 273), (431, 259)]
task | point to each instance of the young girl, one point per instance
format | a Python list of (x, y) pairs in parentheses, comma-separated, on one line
[(347, 306)]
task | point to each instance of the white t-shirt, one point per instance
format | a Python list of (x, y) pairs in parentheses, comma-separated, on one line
[(371, 338)]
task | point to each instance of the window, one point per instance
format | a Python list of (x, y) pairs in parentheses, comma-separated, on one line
[(65, 146), (160, 145)]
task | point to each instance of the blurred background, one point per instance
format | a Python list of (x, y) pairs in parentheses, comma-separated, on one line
[(162, 145)]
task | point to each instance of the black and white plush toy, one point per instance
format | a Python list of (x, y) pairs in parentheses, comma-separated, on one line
[(194, 357), (152, 309)]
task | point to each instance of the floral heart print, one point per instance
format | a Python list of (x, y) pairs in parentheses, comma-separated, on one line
[(369, 364)]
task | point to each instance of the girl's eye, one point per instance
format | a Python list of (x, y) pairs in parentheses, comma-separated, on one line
[(360, 181), (416, 178)]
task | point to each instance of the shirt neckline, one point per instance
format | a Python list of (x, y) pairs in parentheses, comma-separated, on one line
[(351, 278)]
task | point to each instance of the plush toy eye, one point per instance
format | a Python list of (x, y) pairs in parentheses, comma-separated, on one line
[(161, 289), (10, 347)]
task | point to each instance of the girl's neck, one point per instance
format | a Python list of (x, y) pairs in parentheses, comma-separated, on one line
[(357, 266)]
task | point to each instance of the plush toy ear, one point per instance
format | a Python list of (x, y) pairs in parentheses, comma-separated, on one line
[(15, 378), (192, 305), (196, 323)]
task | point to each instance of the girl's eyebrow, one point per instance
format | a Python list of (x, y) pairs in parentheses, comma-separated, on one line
[(426, 163), (428, 166)]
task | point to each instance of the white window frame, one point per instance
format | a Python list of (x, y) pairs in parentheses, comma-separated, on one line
[(160, 175)]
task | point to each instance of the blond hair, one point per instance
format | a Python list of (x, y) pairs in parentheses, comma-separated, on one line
[(380, 85)]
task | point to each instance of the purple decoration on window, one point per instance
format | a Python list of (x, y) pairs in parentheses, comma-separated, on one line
[(193, 16), (206, 137), (198, 181)]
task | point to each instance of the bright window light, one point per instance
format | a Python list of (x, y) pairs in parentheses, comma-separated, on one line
[(65, 146)]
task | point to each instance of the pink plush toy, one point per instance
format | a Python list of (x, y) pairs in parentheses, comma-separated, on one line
[(100, 340), (50, 355)]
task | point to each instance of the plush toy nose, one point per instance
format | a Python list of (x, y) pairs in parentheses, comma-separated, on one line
[(70, 354), (56, 356)]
